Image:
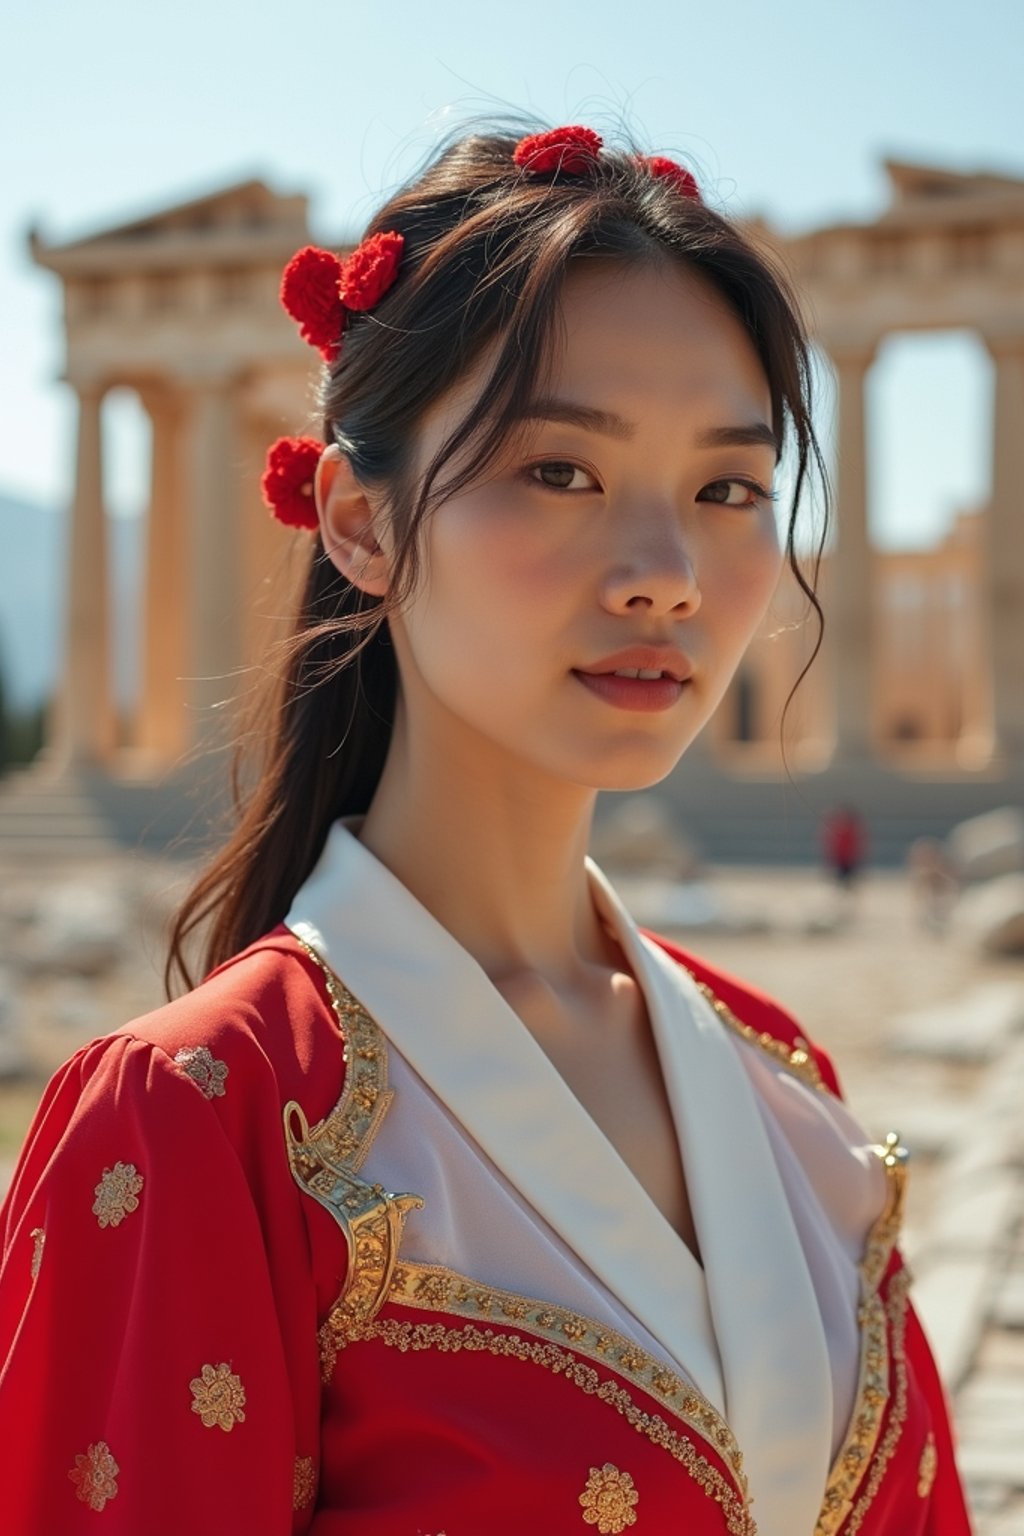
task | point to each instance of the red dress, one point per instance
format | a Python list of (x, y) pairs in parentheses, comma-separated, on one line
[(208, 1324)]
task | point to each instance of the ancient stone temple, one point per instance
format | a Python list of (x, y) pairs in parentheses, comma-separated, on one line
[(183, 308)]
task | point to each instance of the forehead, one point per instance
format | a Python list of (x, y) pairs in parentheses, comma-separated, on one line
[(654, 342), (661, 334)]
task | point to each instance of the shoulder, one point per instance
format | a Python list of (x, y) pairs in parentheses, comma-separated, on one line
[(212, 1069), (758, 1015), (261, 1019)]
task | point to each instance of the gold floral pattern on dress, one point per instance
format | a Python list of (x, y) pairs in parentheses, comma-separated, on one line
[(38, 1240), (304, 1483), (927, 1467), (199, 1063), (95, 1475), (218, 1397), (117, 1194), (609, 1500)]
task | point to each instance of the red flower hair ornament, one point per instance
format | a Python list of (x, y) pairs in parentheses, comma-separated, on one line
[(318, 290), (288, 480), (668, 170), (309, 292), (572, 150)]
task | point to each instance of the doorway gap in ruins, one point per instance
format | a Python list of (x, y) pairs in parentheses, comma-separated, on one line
[(929, 412), (127, 456)]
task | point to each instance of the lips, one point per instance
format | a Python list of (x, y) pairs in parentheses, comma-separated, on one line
[(642, 661)]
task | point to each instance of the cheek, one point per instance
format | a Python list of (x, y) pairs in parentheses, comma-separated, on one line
[(744, 582)]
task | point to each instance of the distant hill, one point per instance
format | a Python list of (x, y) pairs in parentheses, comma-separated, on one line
[(33, 577)]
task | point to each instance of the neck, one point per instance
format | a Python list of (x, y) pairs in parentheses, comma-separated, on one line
[(493, 850)]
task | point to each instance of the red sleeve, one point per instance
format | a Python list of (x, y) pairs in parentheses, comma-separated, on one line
[(947, 1507), (145, 1379)]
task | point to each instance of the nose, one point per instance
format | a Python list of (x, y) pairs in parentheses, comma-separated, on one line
[(655, 571)]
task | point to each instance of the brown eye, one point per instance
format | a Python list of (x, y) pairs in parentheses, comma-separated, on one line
[(736, 493), (559, 475)]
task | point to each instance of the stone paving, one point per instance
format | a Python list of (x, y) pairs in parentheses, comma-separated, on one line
[(928, 1035)]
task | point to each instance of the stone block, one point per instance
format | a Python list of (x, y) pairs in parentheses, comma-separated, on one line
[(988, 845)]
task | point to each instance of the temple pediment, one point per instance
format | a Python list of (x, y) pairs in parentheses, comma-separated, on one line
[(248, 214), (935, 184)]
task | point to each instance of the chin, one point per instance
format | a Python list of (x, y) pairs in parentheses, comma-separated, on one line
[(629, 771)]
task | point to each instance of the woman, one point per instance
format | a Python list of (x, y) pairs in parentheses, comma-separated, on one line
[(449, 1201)]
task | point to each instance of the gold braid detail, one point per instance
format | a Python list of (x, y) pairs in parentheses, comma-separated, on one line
[(797, 1058), (418, 1336), (436, 1289), (324, 1160), (896, 1306)]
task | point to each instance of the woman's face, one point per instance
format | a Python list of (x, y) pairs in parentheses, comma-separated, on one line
[(628, 528)]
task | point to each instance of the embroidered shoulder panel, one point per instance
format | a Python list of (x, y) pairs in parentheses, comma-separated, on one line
[(325, 1159)]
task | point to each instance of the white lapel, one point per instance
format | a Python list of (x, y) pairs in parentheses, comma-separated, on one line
[(777, 1377), (441, 1011)]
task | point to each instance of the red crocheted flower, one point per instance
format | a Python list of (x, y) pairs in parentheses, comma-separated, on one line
[(287, 482), (573, 150), (371, 269), (309, 292), (682, 180)]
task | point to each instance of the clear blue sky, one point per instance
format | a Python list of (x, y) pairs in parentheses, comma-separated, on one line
[(110, 108)]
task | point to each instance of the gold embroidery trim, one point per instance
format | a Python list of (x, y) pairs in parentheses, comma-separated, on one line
[(927, 1467), (38, 1243), (609, 1500), (858, 1447), (324, 1160), (418, 1336), (304, 1482), (896, 1307), (436, 1289), (218, 1397), (117, 1194), (796, 1058), (94, 1475), (199, 1063)]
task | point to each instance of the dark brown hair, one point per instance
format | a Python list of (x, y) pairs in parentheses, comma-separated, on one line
[(487, 247)]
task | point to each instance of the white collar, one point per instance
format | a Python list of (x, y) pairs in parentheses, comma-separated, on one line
[(746, 1332)]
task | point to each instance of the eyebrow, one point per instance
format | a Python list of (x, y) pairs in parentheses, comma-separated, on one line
[(755, 434)]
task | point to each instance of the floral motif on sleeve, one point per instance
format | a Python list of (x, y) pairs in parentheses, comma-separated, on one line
[(927, 1467), (117, 1194), (95, 1475), (199, 1063), (304, 1486), (38, 1240), (218, 1397), (608, 1500)]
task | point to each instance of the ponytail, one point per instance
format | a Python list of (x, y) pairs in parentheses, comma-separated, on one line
[(321, 752)]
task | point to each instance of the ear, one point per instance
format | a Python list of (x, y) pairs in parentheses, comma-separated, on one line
[(346, 524)]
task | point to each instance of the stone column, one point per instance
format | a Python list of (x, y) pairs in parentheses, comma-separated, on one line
[(83, 725), (849, 606), (1005, 576), (162, 725), (212, 497)]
